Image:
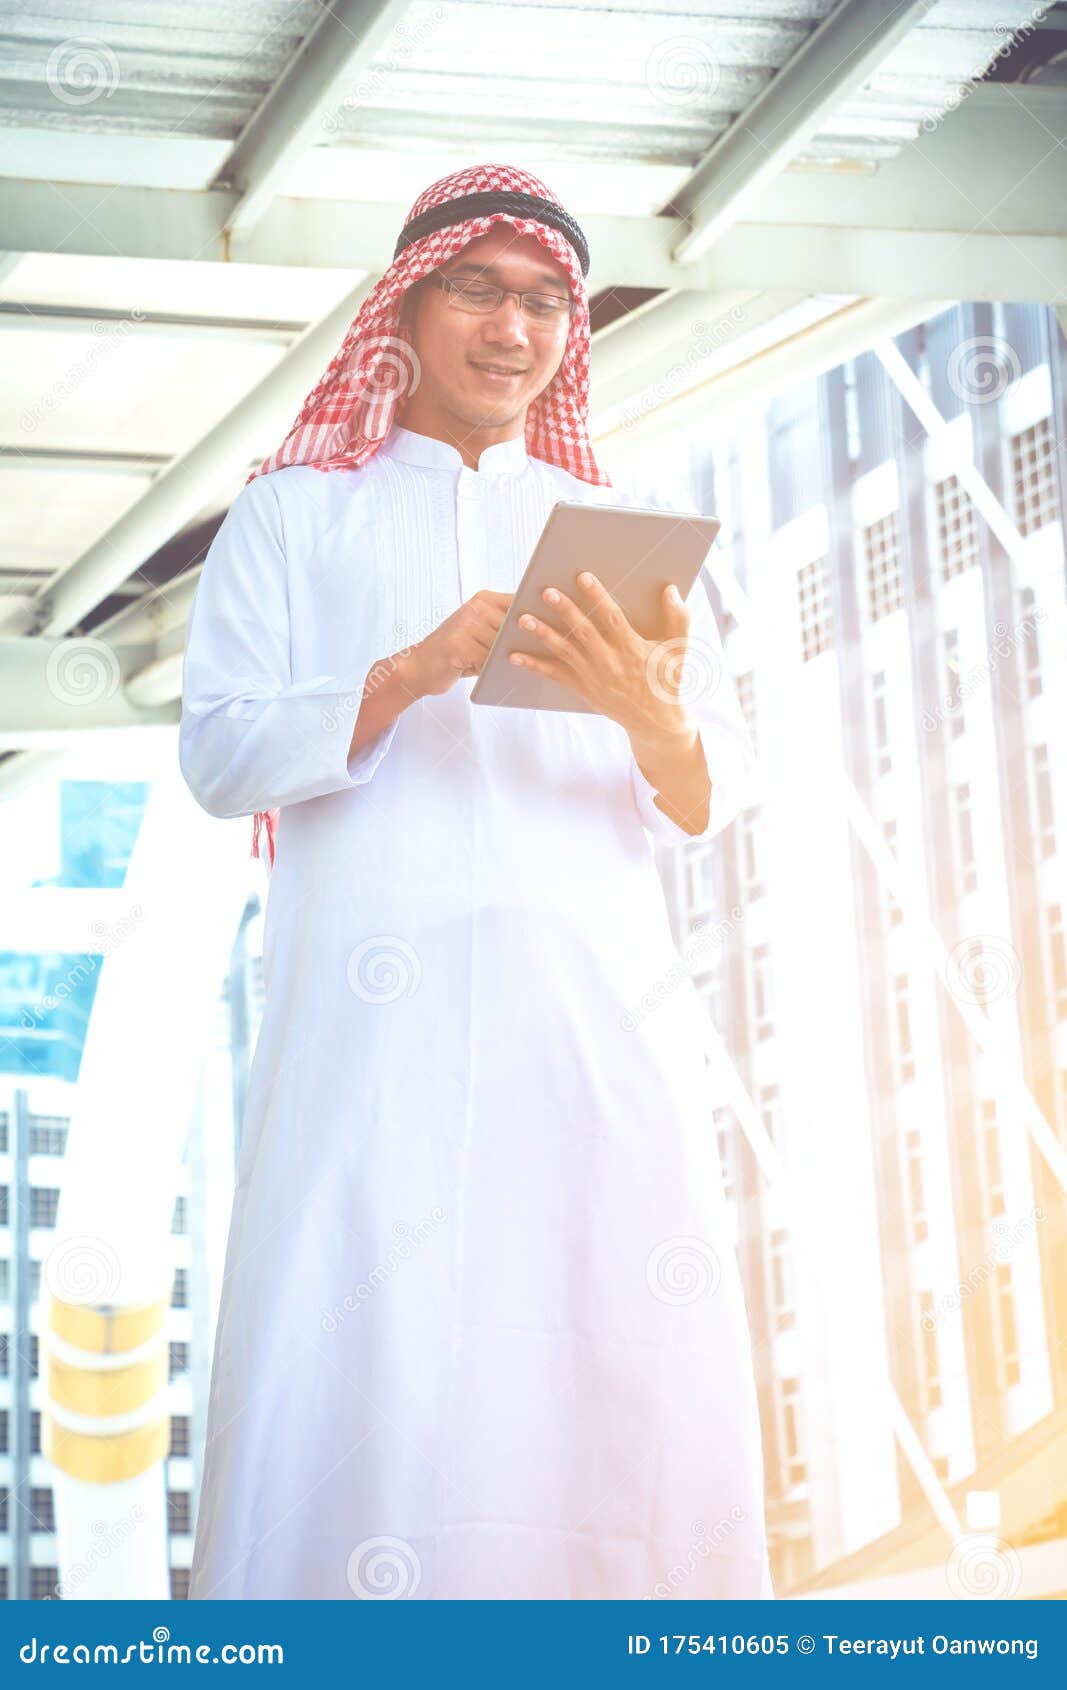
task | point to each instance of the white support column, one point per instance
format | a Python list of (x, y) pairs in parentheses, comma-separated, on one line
[(106, 1281)]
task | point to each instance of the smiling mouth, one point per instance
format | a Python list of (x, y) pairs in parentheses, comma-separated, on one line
[(498, 370)]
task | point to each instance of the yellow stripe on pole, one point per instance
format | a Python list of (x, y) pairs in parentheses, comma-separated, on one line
[(104, 1461), (105, 1391), (105, 1330)]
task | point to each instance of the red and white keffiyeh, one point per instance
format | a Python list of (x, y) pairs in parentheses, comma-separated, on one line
[(348, 415)]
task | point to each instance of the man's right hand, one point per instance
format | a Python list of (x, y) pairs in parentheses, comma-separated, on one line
[(459, 645)]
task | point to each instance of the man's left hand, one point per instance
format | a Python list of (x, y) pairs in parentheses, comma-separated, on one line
[(603, 658)]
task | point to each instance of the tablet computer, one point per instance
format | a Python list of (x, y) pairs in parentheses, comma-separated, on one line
[(635, 553)]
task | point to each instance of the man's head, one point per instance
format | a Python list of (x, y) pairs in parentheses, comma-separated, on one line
[(456, 346)]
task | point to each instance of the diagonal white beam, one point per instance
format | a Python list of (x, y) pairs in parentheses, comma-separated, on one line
[(342, 43), (834, 62), (181, 490)]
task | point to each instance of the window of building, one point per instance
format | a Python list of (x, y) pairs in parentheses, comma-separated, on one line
[(724, 1138), (4, 1432), (753, 885), (5, 1357), (1009, 1339), (5, 1206), (957, 532), (813, 609), (44, 1201), (746, 698), (930, 1375), (35, 1431), (5, 1280), (4, 1512), (1031, 649), (920, 1230), (881, 723), (180, 1221), (796, 1469), (179, 1359), (893, 909), (44, 1581), (1045, 825), (950, 656), (881, 551), (35, 1356), (905, 1056), (178, 1511), (1057, 951), (991, 1164), (179, 1583), (179, 1434), (3, 1131), (700, 877), (965, 838), (783, 1310), (1033, 469), (42, 1509), (179, 1298), (761, 991), (48, 1136)]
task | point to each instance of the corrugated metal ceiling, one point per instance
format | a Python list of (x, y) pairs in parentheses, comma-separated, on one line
[(613, 79)]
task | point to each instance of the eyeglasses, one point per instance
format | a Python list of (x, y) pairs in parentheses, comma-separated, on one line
[(471, 295)]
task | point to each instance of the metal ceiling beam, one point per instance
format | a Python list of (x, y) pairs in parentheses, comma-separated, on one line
[(974, 210), (28, 315), (832, 65), (295, 113), (189, 482)]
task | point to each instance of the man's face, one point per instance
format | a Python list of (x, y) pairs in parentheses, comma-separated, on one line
[(454, 346)]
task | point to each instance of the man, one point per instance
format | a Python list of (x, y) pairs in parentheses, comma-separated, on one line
[(481, 1330)]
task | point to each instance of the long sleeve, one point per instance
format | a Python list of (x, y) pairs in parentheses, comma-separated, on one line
[(251, 737), (709, 692), (728, 748)]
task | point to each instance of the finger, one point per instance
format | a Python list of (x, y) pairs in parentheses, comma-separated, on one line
[(603, 607), (676, 612), (577, 625), (550, 667), (559, 645)]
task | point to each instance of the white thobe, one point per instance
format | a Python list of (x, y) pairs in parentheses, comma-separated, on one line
[(481, 1330)]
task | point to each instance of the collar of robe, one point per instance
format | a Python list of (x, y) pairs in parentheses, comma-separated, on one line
[(505, 457)]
